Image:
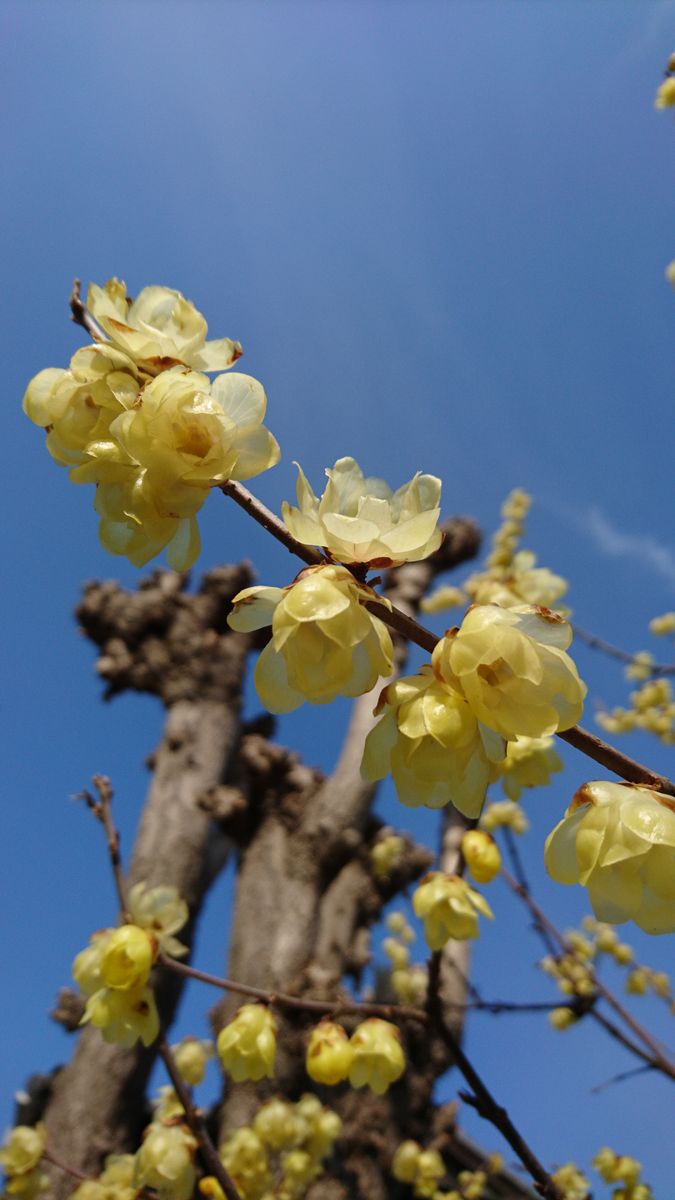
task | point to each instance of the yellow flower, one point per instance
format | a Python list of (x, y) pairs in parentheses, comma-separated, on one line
[(386, 854), (430, 740), (115, 1183), (529, 763), (572, 1182), (378, 1056), (191, 1056), (278, 1125), (405, 1160), (162, 912), (511, 666), (245, 1157), (324, 642), (164, 1161), (504, 814), (127, 958), (124, 1015), (23, 1149), (619, 841), (665, 96), (449, 908), (562, 1018), (481, 855), (329, 1053), (86, 968), (155, 461), (247, 1047), (77, 406), (160, 328), (361, 520)]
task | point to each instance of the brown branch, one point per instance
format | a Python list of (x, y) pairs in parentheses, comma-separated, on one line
[(65, 1167), (82, 316), (590, 745), (480, 1097), (196, 1122), (623, 656), (656, 1057), (102, 810), (365, 1008)]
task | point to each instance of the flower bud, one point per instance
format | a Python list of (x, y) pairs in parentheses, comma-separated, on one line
[(329, 1054), (481, 855)]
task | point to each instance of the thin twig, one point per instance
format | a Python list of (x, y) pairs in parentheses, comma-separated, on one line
[(390, 1012), (102, 810), (542, 923), (621, 1077), (622, 656), (65, 1167), (593, 747), (480, 1097), (195, 1120), (82, 316)]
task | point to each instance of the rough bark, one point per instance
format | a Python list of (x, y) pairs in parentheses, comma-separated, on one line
[(177, 646)]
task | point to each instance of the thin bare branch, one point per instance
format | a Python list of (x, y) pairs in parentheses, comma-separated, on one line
[(622, 656), (64, 1166), (543, 924), (196, 1122), (480, 1096), (102, 810), (593, 747), (82, 316)]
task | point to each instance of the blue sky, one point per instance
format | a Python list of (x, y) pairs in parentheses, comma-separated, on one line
[(440, 232)]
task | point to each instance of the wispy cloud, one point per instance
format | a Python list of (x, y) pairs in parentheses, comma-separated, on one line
[(642, 548)]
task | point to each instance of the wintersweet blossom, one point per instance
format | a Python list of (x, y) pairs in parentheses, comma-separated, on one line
[(127, 958), (329, 1053), (530, 762), (23, 1149), (116, 1182), (247, 1047), (378, 1055), (618, 840), (449, 909), (191, 1056), (124, 1015), (325, 643), (76, 406), (511, 666), (159, 329), (165, 1161), (162, 912), (360, 520), (430, 740)]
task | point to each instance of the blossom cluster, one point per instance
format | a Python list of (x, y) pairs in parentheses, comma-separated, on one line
[(113, 971), (136, 415)]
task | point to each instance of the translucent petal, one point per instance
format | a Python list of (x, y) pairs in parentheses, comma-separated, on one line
[(183, 549), (560, 850), (242, 399), (272, 685), (254, 608), (216, 355)]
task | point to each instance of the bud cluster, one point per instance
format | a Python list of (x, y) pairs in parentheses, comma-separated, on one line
[(409, 981), (280, 1153), (20, 1157)]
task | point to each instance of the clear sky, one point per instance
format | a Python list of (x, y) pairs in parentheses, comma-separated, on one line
[(440, 231)]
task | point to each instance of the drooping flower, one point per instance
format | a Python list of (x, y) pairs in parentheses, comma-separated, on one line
[(329, 1053), (159, 329), (449, 909), (430, 740), (23, 1149), (164, 1161), (530, 762), (124, 1015), (325, 643), (511, 666), (618, 840), (378, 1055), (247, 1047), (360, 520), (191, 1056)]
